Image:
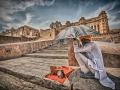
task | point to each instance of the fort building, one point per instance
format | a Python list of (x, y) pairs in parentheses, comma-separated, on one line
[(98, 23), (23, 31)]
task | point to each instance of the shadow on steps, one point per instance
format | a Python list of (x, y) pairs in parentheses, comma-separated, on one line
[(90, 84)]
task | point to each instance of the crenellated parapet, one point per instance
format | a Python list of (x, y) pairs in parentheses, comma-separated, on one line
[(99, 23), (82, 21), (23, 31), (55, 25)]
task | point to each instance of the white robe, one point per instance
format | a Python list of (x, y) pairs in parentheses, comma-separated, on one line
[(96, 62)]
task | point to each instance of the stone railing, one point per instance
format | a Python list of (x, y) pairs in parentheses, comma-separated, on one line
[(10, 39), (14, 50), (107, 37)]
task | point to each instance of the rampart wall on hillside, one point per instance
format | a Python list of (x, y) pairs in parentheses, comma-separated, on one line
[(14, 50), (10, 39)]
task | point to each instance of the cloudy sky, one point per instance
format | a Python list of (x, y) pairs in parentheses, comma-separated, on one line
[(40, 13)]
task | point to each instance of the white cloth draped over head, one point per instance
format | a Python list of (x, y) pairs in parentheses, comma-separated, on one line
[(96, 62)]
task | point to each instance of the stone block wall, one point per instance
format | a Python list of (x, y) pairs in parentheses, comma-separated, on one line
[(10, 39), (111, 60), (107, 37), (14, 50)]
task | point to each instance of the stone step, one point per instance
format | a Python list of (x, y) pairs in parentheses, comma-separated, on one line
[(46, 55), (52, 51), (32, 70), (10, 82), (38, 67), (92, 84), (77, 82), (58, 48), (29, 79), (60, 45)]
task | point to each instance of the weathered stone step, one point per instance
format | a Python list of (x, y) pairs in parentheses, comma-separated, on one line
[(46, 55), (34, 80), (52, 51), (92, 84), (60, 45), (74, 78), (32, 70), (58, 48), (32, 66), (10, 82)]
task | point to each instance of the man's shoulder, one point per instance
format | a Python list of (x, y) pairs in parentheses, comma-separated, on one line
[(92, 44)]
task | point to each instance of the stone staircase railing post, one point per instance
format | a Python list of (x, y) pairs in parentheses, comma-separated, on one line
[(71, 56)]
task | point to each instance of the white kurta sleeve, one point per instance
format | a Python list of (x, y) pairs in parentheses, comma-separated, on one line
[(86, 48)]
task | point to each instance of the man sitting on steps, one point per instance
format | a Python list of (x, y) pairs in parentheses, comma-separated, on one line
[(89, 57)]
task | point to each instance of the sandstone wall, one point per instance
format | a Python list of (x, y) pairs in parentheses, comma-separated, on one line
[(14, 50), (115, 37), (47, 34), (9, 39)]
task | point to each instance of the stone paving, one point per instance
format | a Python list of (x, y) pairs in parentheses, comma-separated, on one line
[(32, 66), (10, 82)]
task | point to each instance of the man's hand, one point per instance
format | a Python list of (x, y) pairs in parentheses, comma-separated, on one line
[(79, 43)]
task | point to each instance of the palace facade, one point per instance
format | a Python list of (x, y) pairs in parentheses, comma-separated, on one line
[(98, 23)]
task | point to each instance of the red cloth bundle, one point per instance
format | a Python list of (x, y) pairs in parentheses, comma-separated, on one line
[(54, 73)]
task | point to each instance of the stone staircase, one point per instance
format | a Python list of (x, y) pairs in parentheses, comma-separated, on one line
[(28, 72), (32, 68), (52, 52)]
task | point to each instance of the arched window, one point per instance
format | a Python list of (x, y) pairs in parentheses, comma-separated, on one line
[(92, 27), (95, 27), (98, 28)]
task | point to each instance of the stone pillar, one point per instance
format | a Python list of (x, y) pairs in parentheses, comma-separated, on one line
[(104, 27), (71, 56)]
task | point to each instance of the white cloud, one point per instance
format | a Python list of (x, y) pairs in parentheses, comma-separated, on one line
[(111, 14), (28, 18), (24, 22), (8, 7), (107, 7)]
